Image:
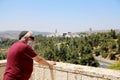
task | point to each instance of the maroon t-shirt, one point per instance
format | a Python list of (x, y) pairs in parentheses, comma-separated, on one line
[(19, 62)]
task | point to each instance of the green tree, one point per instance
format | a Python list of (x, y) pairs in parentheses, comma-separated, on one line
[(118, 42), (112, 33)]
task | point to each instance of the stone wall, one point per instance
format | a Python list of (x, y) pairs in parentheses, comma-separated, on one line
[(65, 71), (2, 68)]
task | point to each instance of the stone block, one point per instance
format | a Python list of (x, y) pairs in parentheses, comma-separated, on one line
[(49, 74), (38, 73), (72, 76), (85, 77), (102, 79), (2, 70), (60, 75)]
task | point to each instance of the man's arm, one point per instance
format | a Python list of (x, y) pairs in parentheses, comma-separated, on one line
[(42, 61)]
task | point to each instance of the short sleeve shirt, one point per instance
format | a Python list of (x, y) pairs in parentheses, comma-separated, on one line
[(19, 61)]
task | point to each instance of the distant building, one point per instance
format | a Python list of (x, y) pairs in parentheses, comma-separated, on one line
[(67, 34), (55, 35), (50, 35), (75, 35)]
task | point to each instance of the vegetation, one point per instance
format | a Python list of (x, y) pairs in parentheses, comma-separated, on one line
[(4, 45), (76, 50), (79, 50), (115, 66)]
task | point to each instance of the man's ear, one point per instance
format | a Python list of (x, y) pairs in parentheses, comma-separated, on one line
[(26, 39)]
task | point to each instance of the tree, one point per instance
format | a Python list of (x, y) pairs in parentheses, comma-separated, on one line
[(112, 33), (89, 60), (118, 42)]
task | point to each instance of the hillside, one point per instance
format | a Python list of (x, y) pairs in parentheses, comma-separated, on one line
[(14, 34)]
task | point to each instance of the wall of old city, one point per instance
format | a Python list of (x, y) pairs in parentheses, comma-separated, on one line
[(65, 71)]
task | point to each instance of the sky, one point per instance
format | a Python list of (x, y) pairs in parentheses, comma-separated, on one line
[(60, 15)]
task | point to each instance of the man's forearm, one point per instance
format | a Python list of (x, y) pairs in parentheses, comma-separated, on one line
[(41, 61)]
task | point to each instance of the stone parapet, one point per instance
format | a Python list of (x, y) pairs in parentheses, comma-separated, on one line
[(66, 71), (2, 68)]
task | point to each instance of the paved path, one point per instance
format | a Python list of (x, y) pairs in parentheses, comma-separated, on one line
[(104, 63)]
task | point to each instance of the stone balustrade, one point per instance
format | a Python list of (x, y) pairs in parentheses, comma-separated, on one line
[(66, 71)]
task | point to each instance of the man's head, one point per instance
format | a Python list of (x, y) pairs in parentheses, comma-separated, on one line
[(26, 36)]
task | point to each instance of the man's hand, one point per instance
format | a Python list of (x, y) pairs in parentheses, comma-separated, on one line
[(51, 63)]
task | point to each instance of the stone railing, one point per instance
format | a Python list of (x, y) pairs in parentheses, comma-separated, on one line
[(2, 68), (65, 71)]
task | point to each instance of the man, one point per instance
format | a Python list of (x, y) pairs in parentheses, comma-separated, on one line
[(20, 59)]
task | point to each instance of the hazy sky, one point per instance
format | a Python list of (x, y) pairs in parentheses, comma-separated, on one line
[(63, 15)]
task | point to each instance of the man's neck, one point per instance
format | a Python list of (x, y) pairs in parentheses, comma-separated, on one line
[(23, 41)]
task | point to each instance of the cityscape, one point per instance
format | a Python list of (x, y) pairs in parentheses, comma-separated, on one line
[(63, 39)]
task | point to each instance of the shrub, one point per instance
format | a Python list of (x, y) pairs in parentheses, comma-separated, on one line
[(112, 57), (104, 54), (97, 52), (2, 56)]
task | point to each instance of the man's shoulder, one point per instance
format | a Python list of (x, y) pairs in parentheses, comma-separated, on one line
[(20, 43)]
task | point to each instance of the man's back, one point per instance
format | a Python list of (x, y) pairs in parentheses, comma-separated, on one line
[(19, 61)]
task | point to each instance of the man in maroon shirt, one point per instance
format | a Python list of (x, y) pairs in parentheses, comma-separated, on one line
[(20, 59)]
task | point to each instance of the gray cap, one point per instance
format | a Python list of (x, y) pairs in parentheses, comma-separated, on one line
[(22, 34)]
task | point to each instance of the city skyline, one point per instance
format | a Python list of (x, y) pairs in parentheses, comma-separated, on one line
[(63, 15)]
